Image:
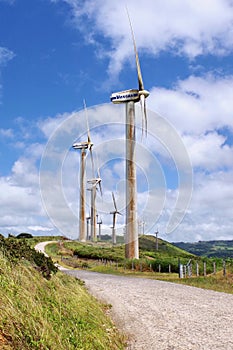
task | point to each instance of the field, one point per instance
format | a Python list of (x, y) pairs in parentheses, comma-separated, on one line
[(49, 313), (162, 264)]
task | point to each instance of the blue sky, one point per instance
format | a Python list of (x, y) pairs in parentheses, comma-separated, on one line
[(55, 53)]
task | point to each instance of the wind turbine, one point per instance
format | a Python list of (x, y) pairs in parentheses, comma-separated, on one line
[(130, 97), (88, 219), (94, 183), (114, 214), (99, 223), (83, 146)]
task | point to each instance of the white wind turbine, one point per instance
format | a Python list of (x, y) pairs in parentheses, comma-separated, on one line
[(88, 218), (94, 183), (114, 214), (130, 97), (99, 223), (83, 146)]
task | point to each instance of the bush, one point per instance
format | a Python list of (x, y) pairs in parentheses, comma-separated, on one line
[(17, 250)]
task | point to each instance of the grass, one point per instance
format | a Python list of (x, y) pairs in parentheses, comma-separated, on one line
[(218, 282), (215, 282), (42, 314)]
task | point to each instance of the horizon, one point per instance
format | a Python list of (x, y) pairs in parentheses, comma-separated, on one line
[(56, 53)]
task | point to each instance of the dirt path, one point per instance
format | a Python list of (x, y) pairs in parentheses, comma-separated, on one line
[(165, 316)]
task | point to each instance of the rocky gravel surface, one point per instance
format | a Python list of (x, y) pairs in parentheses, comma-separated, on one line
[(160, 315)]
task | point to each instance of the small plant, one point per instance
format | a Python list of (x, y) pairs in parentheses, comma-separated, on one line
[(16, 250)]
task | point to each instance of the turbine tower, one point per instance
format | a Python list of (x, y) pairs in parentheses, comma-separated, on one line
[(130, 97), (94, 183), (87, 220), (114, 214), (99, 223), (83, 146)]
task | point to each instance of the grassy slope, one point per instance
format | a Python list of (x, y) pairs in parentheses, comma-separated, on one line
[(217, 248), (50, 314), (166, 253)]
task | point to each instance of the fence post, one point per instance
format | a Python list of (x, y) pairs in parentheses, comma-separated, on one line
[(159, 268), (181, 271), (214, 267), (197, 269), (190, 270), (204, 268), (224, 268), (185, 271), (169, 268)]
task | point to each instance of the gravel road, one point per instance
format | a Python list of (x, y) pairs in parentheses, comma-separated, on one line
[(160, 315)]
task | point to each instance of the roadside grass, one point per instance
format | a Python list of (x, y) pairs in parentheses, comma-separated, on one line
[(216, 282), (59, 313)]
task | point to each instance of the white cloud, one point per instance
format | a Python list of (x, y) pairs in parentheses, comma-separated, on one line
[(6, 133), (209, 213), (5, 55), (209, 151), (189, 28), (196, 104)]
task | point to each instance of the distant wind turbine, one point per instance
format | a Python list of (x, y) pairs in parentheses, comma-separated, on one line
[(130, 97), (114, 214), (99, 223), (83, 146), (94, 183), (88, 218)]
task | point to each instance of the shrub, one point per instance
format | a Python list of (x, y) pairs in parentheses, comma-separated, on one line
[(17, 250)]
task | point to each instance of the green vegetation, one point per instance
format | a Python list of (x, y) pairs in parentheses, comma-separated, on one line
[(157, 264), (218, 249), (48, 314), (90, 255), (15, 250)]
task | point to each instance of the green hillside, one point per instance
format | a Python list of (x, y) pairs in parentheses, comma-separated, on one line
[(147, 246), (78, 255), (216, 248), (48, 312)]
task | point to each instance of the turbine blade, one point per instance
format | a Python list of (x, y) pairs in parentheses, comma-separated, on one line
[(100, 187), (114, 220), (92, 163), (99, 182), (144, 115), (114, 201), (140, 81), (88, 129)]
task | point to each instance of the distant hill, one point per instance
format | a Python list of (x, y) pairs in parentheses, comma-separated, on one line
[(147, 243), (216, 248)]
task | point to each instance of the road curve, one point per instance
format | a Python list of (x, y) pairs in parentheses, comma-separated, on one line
[(160, 315)]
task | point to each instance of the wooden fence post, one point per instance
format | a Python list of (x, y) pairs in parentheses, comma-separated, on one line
[(204, 268), (224, 268), (197, 269)]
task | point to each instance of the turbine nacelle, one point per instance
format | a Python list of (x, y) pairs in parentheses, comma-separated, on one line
[(125, 96), (94, 181), (128, 95), (82, 145)]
